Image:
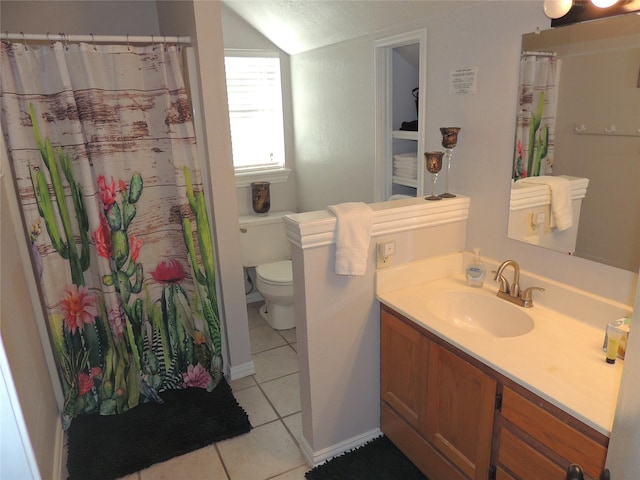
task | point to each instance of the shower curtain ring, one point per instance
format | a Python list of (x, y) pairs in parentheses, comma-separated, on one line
[(24, 42), (93, 39), (153, 45), (128, 46)]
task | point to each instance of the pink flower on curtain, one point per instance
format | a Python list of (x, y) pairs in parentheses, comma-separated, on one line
[(115, 322), (169, 271), (196, 377), (78, 308), (85, 381), (102, 237), (107, 192), (134, 247), (122, 186)]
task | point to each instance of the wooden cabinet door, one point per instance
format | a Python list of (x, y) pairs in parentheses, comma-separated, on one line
[(460, 411), (403, 367)]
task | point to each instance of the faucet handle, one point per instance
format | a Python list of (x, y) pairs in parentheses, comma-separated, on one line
[(527, 296), (504, 283)]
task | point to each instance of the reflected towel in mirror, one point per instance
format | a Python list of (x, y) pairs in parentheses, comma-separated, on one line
[(353, 232), (561, 199)]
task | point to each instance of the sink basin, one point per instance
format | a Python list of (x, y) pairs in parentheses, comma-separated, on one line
[(478, 313)]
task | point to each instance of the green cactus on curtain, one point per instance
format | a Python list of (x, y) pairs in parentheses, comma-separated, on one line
[(204, 275), (64, 246), (538, 141), (63, 240)]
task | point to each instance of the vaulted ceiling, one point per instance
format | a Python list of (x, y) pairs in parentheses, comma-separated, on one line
[(297, 26)]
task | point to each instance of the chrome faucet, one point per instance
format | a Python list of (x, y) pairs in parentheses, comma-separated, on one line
[(511, 292)]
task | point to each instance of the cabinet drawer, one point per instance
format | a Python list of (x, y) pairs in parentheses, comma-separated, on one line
[(524, 462), (551, 431)]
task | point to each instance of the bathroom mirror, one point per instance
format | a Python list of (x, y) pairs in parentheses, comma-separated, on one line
[(597, 137)]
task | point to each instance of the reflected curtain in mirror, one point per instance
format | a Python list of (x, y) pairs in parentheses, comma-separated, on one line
[(536, 117)]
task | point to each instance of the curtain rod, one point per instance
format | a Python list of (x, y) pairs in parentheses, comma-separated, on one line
[(538, 54), (63, 37)]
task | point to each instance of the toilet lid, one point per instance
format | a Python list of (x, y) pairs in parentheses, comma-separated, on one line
[(276, 272)]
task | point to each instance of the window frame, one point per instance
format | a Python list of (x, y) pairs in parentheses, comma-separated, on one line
[(245, 176)]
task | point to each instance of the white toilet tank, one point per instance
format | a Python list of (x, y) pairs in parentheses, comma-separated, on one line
[(263, 239)]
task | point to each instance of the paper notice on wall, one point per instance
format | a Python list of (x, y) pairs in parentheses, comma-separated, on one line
[(463, 81)]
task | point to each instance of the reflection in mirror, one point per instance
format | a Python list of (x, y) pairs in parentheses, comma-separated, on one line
[(591, 151)]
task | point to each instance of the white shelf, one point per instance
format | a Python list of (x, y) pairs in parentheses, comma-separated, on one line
[(405, 135), (406, 181)]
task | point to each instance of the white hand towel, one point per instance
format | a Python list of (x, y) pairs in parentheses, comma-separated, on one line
[(561, 201), (353, 232)]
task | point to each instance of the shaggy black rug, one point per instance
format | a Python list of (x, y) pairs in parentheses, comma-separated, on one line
[(108, 447), (378, 459)]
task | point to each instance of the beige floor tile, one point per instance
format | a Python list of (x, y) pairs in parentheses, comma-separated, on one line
[(297, 474), (241, 383), (264, 338), (284, 394), (203, 464), (264, 452), (288, 335), (275, 363), (294, 424), (256, 405)]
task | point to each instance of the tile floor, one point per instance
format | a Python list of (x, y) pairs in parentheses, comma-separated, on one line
[(271, 398)]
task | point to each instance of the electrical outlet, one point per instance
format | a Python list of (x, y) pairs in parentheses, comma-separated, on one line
[(385, 251), (535, 223)]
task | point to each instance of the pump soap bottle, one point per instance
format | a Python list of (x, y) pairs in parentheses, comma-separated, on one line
[(475, 270)]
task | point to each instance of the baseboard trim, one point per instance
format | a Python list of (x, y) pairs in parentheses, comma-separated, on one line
[(241, 371), (316, 458)]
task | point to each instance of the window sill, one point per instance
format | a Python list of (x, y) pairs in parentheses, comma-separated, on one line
[(244, 179)]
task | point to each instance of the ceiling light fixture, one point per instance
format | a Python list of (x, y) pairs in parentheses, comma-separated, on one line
[(558, 8), (604, 3)]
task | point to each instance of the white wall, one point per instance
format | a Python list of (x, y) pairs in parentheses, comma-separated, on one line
[(333, 97), (25, 370), (334, 112)]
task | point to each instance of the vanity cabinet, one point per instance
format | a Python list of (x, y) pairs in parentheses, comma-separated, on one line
[(435, 400), (538, 441), (456, 418)]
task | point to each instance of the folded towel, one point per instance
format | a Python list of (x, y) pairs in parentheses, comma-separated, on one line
[(353, 232), (561, 201)]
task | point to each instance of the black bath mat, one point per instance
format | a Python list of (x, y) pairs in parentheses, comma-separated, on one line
[(109, 447), (379, 459)]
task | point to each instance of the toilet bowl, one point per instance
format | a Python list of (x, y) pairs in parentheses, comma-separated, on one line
[(274, 281), (265, 246)]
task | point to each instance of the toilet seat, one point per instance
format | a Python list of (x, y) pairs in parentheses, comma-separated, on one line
[(276, 273)]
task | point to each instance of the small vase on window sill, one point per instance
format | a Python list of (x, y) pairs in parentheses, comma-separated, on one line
[(261, 197)]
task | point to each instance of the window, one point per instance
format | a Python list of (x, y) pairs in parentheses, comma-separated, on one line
[(255, 112)]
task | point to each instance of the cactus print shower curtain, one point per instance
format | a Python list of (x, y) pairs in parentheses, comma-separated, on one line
[(103, 152), (535, 124)]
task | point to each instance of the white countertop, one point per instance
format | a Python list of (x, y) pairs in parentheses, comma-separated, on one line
[(561, 359)]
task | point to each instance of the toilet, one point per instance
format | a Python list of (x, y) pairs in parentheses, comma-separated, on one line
[(264, 245)]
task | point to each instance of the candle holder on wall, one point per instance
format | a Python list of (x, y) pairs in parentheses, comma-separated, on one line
[(260, 197), (449, 141)]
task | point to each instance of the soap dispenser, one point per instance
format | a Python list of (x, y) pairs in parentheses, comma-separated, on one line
[(475, 270)]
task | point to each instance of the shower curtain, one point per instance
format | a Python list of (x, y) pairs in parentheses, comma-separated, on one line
[(103, 153), (535, 124)]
